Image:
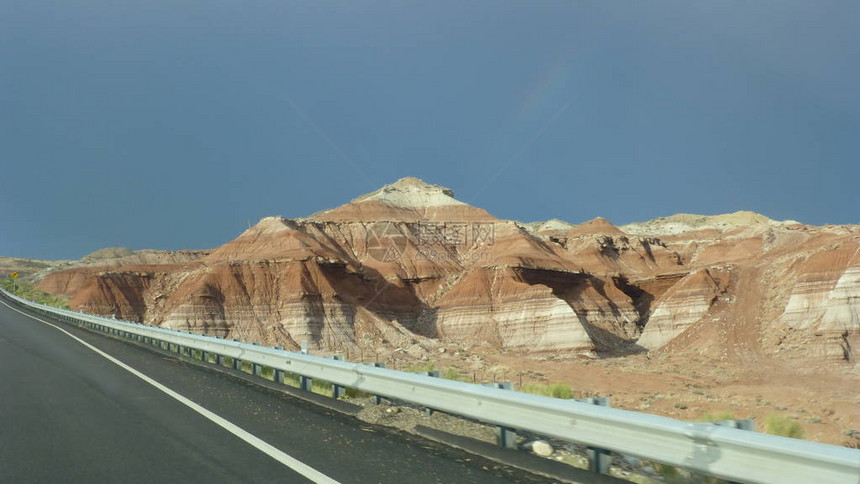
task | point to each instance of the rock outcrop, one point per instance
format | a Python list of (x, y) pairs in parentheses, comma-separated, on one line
[(685, 303)]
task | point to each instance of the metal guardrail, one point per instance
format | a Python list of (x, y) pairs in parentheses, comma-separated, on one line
[(723, 452)]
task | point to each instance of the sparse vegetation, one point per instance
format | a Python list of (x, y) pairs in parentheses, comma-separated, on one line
[(420, 366), (853, 441), (667, 472), (448, 373), (322, 387), (778, 424), (27, 291), (292, 379), (268, 373), (555, 390), (717, 417), (452, 373), (353, 393)]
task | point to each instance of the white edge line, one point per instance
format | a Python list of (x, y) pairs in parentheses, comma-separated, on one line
[(234, 429)]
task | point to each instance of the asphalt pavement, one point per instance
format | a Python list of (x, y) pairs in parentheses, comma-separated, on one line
[(69, 414)]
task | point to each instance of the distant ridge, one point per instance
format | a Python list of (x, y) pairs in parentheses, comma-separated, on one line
[(686, 222)]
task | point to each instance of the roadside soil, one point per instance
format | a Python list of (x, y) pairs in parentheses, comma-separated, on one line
[(823, 398)]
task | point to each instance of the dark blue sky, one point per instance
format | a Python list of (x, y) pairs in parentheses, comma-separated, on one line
[(173, 124)]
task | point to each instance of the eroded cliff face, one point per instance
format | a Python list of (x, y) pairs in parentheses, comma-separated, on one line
[(822, 313), (684, 304), (409, 266)]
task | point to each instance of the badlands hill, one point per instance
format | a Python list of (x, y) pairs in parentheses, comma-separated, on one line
[(107, 257), (24, 267), (410, 268)]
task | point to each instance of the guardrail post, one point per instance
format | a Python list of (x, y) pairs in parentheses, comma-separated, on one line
[(599, 460), (278, 377), (219, 359), (434, 374), (256, 370), (376, 398), (505, 436), (337, 391), (744, 424), (306, 383), (237, 363)]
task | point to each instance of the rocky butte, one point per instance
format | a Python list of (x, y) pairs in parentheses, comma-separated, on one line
[(409, 268)]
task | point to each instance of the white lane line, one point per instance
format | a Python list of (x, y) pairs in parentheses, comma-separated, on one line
[(234, 429)]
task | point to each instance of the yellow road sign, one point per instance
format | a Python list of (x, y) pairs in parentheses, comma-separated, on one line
[(14, 275)]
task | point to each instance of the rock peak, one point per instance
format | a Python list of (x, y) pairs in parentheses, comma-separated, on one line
[(598, 225), (407, 199), (411, 192), (413, 183)]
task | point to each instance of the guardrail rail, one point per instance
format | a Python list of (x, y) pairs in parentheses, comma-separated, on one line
[(723, 452)]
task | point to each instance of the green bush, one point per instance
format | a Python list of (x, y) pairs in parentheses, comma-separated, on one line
[(777, 424)]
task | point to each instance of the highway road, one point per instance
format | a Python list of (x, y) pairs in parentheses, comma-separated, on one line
[(79, 407)]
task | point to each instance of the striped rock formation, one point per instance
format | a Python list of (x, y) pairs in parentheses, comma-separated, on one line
[(408, 267)]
